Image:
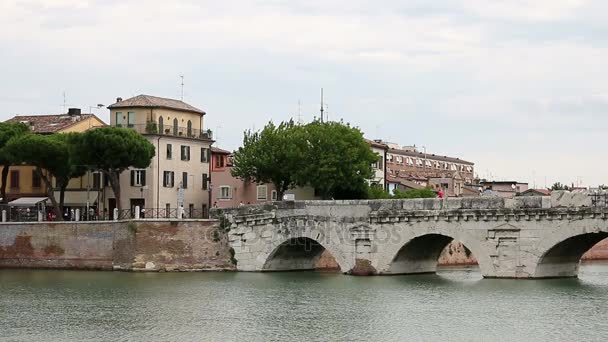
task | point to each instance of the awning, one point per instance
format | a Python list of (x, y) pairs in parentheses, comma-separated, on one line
[(78, 198), (28, 201)]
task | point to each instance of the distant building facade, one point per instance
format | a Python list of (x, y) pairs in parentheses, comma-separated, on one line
[(507, 189), (379, 167)]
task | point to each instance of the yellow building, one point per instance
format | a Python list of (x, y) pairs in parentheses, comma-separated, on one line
[(23, 181), (179, 174)]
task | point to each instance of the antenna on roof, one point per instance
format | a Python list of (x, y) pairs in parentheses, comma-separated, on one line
[(182, 76), (322, 105)]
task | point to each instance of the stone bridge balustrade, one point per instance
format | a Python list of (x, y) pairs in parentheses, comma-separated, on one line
[(524, 237)]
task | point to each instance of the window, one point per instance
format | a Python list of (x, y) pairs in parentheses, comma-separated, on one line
[(161, 130), (15, 179), (167, 209), (184, 180), (189, 128), (205, 213), (205, 181), (262, 191), (205, 154), (190, 210), (175, 128), (185, 152), (130, 119), (169, 151), (36, 180), (168, 179), (219, 161), (379, 163), (119, 119), (273, 195), (138, 177), (225, 192), (96, 180)]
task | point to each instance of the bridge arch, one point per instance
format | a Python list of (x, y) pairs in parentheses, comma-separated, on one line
[(299, 253), (419, 253), (559, 255)]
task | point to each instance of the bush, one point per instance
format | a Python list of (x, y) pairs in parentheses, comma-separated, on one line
[(415, 193), (377, 192)]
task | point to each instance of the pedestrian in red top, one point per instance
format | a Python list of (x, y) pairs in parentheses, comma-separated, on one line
[(440, 193)]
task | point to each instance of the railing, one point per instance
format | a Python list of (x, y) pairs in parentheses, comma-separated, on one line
[(599, 199), (160, 213), (170, 130)]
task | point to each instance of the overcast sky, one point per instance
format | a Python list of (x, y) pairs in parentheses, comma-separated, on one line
[(518, 87)]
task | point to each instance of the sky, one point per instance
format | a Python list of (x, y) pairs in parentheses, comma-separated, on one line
[(518, 87)]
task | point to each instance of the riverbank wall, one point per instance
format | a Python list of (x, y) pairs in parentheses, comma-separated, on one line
[(145, 245)]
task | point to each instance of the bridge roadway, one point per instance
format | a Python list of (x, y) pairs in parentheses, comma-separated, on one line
[(525, 237)]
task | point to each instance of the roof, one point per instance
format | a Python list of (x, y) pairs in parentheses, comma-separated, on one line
[(50, 123), (377, 144), (429, 156), (27, 201), (218, 150), (147, 101), (501, 182), (405, 182), (542, 192)]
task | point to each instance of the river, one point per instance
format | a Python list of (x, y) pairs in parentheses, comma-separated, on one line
[(455, 305)]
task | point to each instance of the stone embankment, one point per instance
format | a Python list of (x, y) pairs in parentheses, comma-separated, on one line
[(189, 245)]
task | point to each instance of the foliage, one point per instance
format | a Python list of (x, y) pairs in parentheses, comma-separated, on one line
[(558, 186), (151, 127), (331, 157), (272, 155), (414, 193), (337, 160), (377, 192), (113, 150), (50, 153), (8, 131)]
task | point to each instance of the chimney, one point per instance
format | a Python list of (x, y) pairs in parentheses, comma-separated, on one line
[(118, 99), (73, 111)]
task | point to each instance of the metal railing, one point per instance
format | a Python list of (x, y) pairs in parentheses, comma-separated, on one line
[(599, 199), (162, 213), (170, 130)]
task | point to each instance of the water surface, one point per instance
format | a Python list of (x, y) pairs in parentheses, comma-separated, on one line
[(456, 305)]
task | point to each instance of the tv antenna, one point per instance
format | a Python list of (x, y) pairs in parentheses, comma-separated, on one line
[(182, 77), (322, 105), (65, 104)]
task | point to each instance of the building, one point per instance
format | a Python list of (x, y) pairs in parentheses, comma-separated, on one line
[(379, 167), (179, 172), (428, 169), (507, 189), (536, 192), (23, 180), (228, 191)]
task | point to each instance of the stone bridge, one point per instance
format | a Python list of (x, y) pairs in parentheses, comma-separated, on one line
[(525, 237)]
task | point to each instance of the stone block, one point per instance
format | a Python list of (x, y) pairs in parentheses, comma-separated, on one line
[(452, 203), (432, 203), (561, 198), (413, 204), (546, 202), (522, 202), (580, 199)]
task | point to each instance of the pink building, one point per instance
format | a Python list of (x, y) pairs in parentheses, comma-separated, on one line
[(228, 191)]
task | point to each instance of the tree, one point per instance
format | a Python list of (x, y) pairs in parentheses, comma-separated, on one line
[(8, 131), (337, 160), (415, 193), (50, 153), (558, 186), (74, 168), (377, 192), (273, 155), (113, 150)]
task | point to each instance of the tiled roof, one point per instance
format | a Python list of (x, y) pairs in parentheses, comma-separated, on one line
[(377, 144), (148, 101), (218, 150), (49, 123), (429, 156), (404, 182)]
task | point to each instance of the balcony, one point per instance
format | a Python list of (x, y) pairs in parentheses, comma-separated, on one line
[(183, 132)]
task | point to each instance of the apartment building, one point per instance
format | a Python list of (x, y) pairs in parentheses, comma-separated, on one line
[(23, 181), (379, 167), (428, 169), (178, 175)]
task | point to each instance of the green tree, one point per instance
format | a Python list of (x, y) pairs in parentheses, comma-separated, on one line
[(377, 192), (272, 155), (8, 131), (74, 168), (337, 160), (558, 186), (50, 153), (415, 193), (113, 150)]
